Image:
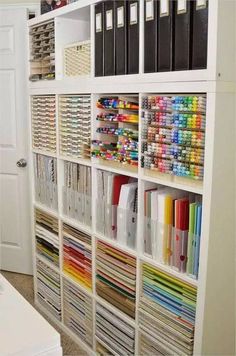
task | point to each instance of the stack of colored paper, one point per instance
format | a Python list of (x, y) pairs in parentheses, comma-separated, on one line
[(114, 332), (167, 312), (101, 350), (78, 315), (48, 288), (77, 255), (172, 228), (46, 233), (116, 277)]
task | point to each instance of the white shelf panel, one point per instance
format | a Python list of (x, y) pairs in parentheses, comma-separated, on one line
[(115, 244), (181, 276), (134, 83), (159, 77), (66, 11), (46, 209), (110, 168), (45, 153), (85, 162), (76, 224), (186, 184)]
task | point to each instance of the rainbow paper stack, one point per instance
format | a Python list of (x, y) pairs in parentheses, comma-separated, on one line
[(77, 256), (166, 313)]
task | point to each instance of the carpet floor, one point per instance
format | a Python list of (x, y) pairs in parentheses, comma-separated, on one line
[(24, 285)]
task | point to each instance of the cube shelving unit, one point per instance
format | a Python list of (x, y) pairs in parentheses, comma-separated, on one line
[(215, 303)]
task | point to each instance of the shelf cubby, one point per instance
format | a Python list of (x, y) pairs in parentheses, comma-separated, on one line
[(114, 332), (74, 127), (115, 137), (164, 314), (42, 51), (43, 108), (48, 288), (117, 207), (76, 192), (46, 235), (116, 277), (77, 255), (45, 170), (171, 221), (78, 312)]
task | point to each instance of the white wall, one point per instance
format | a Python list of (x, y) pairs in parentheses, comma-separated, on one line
[(21, 2)]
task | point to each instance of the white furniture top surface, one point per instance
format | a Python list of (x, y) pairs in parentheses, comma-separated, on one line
[(23, 331)]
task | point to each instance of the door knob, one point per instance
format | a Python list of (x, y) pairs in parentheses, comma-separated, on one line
[(21, 163)]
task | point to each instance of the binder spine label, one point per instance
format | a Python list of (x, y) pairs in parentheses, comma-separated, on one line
[(134, 13), (164, 8), (120, 17), (109, 21), (182, 6), (99, 22), (149, 10), (201, 4)]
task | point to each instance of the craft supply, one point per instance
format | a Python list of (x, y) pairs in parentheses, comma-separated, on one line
[(117, 131), (173, 134)]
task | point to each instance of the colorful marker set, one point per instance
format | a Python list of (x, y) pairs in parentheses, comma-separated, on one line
[(168, 135), (187, 154), (180, 120), (185, 103), (180, 169), (125, 152), (111, 117), (173, 134), (121, 130), (118, 131), (116, 103)]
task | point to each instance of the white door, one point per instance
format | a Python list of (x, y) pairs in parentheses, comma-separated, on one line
[(15, 241)]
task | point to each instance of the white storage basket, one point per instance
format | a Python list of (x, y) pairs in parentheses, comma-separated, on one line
[(77, 59)]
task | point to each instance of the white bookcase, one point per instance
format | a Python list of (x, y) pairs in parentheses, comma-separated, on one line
[(215, 314)]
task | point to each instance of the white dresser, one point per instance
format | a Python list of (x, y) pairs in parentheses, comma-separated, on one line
[(23, 331)]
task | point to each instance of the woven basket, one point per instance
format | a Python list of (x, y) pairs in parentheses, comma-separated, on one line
[(77, 59)]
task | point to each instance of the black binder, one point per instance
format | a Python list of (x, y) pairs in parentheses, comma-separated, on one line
[(199, 34), (165, 23), (133, 37), (150, 35), (109, 38), (99, 40), (120, 37), (182, 54)]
